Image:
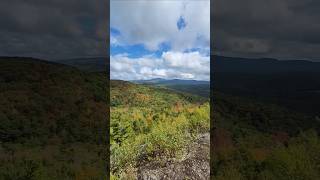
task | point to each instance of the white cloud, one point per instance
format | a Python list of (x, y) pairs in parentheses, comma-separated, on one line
[(187, 75), (189, 61), (114, 41), (154, 22), (171, 65)]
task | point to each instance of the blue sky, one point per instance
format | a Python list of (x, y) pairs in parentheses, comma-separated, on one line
[(160, 39)]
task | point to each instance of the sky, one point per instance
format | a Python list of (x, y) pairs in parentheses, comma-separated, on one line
[(54, 29), (282, 29), (63, 29), (160, 39)]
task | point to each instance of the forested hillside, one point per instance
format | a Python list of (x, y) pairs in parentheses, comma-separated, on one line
[(151, 123), (200, 88), (53, 121), (258, 140), (53, 126), (294, 84), (97, 64), (266, 117)]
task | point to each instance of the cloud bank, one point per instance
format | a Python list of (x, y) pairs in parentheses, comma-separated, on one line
[(171, 65), (284, 29), (53, 29), (160, 39)]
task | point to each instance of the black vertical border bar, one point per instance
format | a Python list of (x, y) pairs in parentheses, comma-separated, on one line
[(212, 121), (107, 158)]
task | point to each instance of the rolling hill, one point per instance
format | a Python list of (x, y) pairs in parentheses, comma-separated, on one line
[(266, 119), (201, 88), (294, 84), (261, 65), (96, 64), (258, 140), (53, 120)]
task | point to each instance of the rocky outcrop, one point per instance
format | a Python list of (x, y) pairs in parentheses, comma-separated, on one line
[(195, 164)]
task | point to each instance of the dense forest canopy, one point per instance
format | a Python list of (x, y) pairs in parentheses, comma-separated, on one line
[(53, 120), (266, 116)]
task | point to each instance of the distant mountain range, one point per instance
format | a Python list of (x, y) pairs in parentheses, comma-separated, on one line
[(262, 65), (259, 78), (293, 83), (170, 81), (97, 64), (219, 64), (200, 88)]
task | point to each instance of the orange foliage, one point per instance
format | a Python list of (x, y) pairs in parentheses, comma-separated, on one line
[(222, 140), (280, 137), (142, 97), (177, 107), (87, 173), (260, 154)]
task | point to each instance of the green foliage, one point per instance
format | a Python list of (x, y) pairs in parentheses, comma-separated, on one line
[(298, 160), (263, 141), (52, 162), (237, 112), (40, 100), (53, 121), (148, 123)]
